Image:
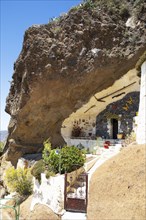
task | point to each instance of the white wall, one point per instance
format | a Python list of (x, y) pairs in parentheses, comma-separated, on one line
[(50, 193), (87, 143), (141, 129)]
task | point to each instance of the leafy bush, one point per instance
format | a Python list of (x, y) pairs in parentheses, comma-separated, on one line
[(75, 8), (57, 160), (53, 160), (88, 4), (19, 180), (37, 169), (71, 158), (66, 159)]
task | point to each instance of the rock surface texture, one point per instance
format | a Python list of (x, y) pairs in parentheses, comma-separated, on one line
[(117, 188), (63, 63), (39, 212)]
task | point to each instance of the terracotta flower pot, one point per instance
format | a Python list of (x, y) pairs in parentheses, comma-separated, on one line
[(119, 136)]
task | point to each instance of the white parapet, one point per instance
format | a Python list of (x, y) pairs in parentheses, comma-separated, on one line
[(141, 129), (49, 192)]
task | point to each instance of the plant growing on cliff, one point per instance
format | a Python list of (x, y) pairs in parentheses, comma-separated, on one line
[(1, 146), (141, 60), (89, 4), (75, 8), (19, 180), (47, 150), (124, 12)]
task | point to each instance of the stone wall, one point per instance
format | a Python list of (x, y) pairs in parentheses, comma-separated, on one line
[(123, 110)]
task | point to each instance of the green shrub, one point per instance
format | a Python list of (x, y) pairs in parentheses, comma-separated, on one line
[(71, 158), (50, 157), (66, 159), (53, 160), (75, 8), (19, 180), (88, 4), (37, 169)]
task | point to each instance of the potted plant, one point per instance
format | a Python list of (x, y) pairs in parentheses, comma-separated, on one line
[(120, 135)]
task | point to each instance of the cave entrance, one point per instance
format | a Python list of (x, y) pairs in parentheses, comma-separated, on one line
[(114, 123)]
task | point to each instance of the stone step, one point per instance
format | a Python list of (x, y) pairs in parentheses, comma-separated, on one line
[(74, 216)]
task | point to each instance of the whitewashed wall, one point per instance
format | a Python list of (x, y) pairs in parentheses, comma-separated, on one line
[(141, 129), (87, 143), (92, 108), (50, 193)]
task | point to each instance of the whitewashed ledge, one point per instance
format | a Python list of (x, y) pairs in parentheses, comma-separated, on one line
[(90, 164), (50, 193)]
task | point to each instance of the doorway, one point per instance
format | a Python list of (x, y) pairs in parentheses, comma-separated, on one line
[(114, 123)]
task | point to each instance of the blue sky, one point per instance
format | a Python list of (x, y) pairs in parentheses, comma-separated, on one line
[(15, 18)]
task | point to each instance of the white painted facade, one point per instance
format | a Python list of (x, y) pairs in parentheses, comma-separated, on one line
[(88, 112), (87, 143), (141, 129), (50, 193)]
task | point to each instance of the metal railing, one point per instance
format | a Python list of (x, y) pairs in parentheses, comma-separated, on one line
[(15, 207)]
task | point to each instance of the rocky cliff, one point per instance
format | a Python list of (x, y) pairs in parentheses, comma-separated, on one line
[(63, 63)]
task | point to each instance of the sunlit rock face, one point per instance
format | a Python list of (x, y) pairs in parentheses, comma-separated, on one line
[(64, 63)]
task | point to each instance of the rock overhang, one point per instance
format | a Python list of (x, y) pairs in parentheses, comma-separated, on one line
[(62, 65)]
